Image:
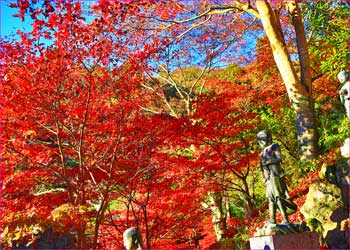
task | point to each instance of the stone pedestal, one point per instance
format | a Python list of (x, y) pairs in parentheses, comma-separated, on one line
[(303, 240)]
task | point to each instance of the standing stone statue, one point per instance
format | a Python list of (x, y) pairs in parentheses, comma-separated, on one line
[(273, 174), (132, 238), (344, 93)]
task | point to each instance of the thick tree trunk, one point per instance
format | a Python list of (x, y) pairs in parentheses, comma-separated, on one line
[(299, 93), (218, 215), (304, 61)]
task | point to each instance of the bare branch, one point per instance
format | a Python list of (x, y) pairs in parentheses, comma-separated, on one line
[(46, 127), (193, 26), (212, 10), (151, 110)]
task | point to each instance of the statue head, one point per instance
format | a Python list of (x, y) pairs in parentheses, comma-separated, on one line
[(264, 138), (132, 238), (343, 76)]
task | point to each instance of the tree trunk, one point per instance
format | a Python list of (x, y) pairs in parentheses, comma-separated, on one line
[(218, 215), (299, 92), (249, 200), (81, 239), (304, 59), (99, 220), (148, 242)]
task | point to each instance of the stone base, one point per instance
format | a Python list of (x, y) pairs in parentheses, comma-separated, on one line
[(303, 240)]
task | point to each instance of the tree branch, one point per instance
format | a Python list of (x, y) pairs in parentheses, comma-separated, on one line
[(247, 8)]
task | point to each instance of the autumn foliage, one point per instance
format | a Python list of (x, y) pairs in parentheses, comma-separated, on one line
[(103, 129), (81, 157)]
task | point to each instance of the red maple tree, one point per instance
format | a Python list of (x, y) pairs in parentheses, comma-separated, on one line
[(80, 155)]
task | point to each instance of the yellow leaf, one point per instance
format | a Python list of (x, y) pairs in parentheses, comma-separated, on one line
[(5, 232), (17, 235)]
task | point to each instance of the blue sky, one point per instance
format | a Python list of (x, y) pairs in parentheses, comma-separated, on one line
[(10, 24)]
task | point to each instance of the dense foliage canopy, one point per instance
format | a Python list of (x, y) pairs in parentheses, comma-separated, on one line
[(144, 113)]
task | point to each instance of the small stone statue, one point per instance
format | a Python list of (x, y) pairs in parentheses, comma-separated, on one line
[(273, 174), (132, 238), (345, 149), (344, 92)]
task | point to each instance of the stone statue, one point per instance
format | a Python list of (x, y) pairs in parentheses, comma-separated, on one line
[(344, 92), (345, 149), (273, 174), (132, 238)]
